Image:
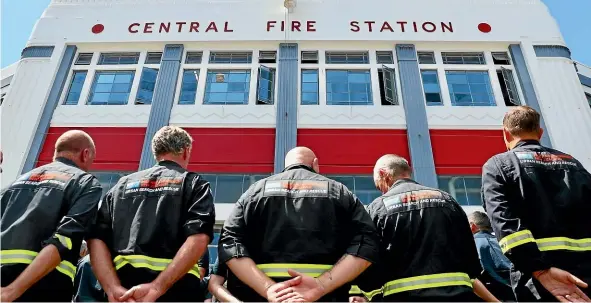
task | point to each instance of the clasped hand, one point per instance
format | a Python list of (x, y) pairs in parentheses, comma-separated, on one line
[(301, 288)]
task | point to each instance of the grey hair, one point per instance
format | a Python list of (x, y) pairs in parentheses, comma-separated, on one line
[(481, 220), (394, 165), (170, 140)]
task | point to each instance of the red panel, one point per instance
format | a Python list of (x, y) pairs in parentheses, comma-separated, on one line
[(118, 148), (463, 152), (352, 151), (232, 150)]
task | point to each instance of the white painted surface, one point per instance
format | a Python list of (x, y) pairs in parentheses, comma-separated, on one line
[(23, 107), (565, 108), (510, 20)]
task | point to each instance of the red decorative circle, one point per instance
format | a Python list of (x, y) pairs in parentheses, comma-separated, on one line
[(484, 27), (98, 28)]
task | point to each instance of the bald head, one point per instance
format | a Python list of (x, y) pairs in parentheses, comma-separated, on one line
[(388, 169), (302, 155), (77, 146)]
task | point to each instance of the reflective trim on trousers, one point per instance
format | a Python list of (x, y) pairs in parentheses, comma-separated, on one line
[(279, 270), (156, 264), (355, 290), (427, 281), (21, 256)]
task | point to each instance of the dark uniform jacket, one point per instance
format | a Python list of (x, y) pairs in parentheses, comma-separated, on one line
[(146, 218), (52, 204), (297, 219), (539, 201), (428, 253)]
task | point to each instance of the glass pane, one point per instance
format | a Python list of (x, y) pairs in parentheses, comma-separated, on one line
[(433, 98), (456, 78), (123, 78), (309, 87), (309, 98), (121, 88), (218, 87), (238, 77), (99, 98), (310, 76), (359, 97), (431, 88), (477, 77), (460, 88), (430, 77), (118, 98), (237, 86), (338, 87), (103, 88), (230, 188), (479, 88), (340, 97), (235, 97), (358, 76), (358, 87), (105, 78), (336, 76), (73, 97)]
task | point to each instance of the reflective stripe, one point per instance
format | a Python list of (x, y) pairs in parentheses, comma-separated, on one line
[(427, 281), (156, 264), (64, 240), (516, 239), (355, 290), (558, 243), (279, 270), (19, 256)]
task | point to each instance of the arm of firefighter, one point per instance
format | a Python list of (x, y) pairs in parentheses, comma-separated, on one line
[(516, 240), (182, 262), (344, 271), (102, 266), (79, 218), (203, 264), (216, 283), (44, 263), (364, 241), (247, 271), (481, 291)]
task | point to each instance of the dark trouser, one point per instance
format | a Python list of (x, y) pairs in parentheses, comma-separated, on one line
[(187, 289), (55, 287)]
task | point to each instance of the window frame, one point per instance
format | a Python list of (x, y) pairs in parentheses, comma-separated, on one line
[(490, 79), (301, 83), (369, 94), (273, 80), (95, 82), (250, 81), (438, 83), (465, 191), (140, 83), (68, 90)]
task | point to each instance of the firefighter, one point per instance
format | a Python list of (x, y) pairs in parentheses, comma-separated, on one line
[(427, 246), (219, 274), (153, 227), (538, 200), (45, 214), (299, 224)]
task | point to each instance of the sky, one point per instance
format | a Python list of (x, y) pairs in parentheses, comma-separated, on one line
[(19, 17)]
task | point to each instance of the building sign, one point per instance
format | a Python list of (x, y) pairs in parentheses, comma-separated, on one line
[(354, 26)]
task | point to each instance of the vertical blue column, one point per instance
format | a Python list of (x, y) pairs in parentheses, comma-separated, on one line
[(527, 87), (419, 140), (164, 90), (52, 99), (287, 103)]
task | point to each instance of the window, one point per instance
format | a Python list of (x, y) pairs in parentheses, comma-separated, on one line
[(147, 84), (347, 58), (463, 58), (588, 98), (470, 88), (508, 87), (362, 186), (227, 87), (78, 78), (348, 87), (431, 87), (384, 57), (466, 190), (189, 86), (388, 93), (309, 87), (119, 58), (153, 58), (111, 87), (84, 59), (194, 57), (228, 188), (108, 179), (426, 57), (501, 58), (309, 57), (230, 57), (268, 57), (266, 85)]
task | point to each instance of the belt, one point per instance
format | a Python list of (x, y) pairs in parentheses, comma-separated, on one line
[(156, 264), (355, 290), (544, 244), (21, 256), (427, 281), (279, 270)]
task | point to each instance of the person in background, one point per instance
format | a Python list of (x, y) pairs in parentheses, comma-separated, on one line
[(153, 226), (217, 279), (86, 286), (298, 220), (538, 200), (496, 274), (428, 250), (45, 214)]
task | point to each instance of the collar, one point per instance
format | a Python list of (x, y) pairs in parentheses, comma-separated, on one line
[(527, 142), (168, 163), (403, 181), (299, 166), (483, 233), (66, 161)]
